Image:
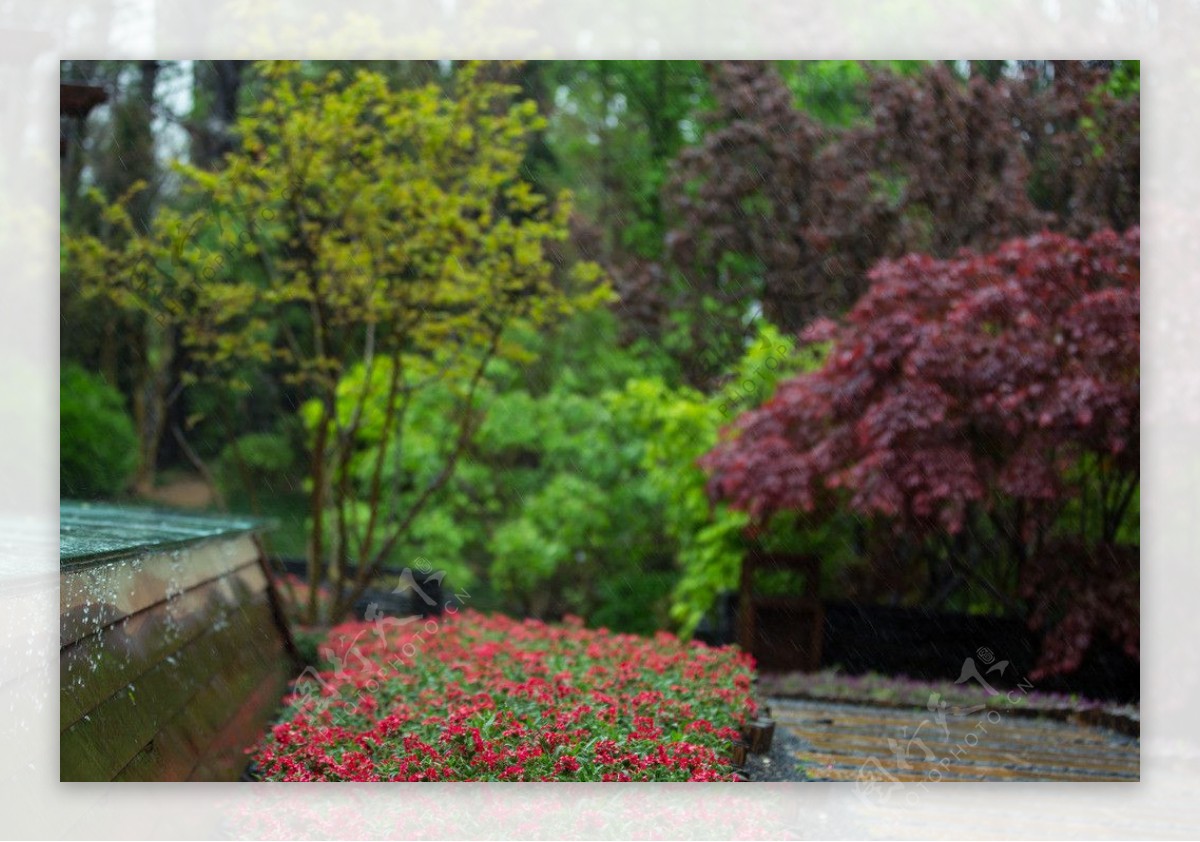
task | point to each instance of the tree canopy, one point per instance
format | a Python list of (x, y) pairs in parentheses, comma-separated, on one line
[(989, 386), (494, 315)]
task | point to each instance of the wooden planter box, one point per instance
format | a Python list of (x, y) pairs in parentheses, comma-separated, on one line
[(173, 652), (760, 733)]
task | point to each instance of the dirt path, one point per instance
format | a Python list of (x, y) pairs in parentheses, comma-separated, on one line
[(180, 493), (870, 744)]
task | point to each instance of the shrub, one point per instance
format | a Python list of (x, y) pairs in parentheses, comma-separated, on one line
[(97, 442), (964, 403), (266, 458)]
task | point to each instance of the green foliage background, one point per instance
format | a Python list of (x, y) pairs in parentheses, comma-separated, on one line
[(468, 191), (97, 446)]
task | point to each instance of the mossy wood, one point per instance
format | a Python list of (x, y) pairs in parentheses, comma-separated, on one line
[(174, 655)]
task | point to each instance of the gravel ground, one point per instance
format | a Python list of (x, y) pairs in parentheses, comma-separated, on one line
[(779, 765)]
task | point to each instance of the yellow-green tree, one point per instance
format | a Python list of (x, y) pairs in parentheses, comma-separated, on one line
[(357, 228)]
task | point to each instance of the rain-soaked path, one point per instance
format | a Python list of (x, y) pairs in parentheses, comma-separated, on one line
[(865, 743)]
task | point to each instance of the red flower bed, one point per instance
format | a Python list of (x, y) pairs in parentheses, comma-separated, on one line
[(478, 698)]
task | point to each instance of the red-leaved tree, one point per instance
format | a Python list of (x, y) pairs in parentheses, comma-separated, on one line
[(985, 407)]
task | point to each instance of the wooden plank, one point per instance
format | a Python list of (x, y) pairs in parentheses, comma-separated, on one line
[(165, 758), (217, 703), (121, 727), (997, 752), (868, 718), (93, 598), (922, 770), (185, 743), (226, 756), (95, 667), (125, 722)]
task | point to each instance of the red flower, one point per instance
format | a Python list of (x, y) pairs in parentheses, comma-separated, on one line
[(566, 763), (489, 698)]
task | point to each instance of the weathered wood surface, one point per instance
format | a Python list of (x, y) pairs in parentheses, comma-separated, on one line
[(171, 663), (95, 666), (97, 596), (862, 743)]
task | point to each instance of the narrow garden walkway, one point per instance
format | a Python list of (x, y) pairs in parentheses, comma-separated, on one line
[(873, 743)]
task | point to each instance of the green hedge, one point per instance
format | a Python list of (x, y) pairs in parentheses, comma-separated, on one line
[(97, 441)]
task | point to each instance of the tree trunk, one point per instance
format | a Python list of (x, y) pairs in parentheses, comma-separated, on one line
[(316, 547), (218, 82)]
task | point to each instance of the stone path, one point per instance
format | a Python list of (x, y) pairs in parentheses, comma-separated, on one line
[(865, 743)]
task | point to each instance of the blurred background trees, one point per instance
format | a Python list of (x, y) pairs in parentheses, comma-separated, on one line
[(729, 206)]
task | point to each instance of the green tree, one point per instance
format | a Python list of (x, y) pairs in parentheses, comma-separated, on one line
[(114, 157), (614, 131), (392, 235), (116, 269), (548, 505), (679, 426)]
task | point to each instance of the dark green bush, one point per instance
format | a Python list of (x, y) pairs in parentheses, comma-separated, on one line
[(266, 460), (97, 442)]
